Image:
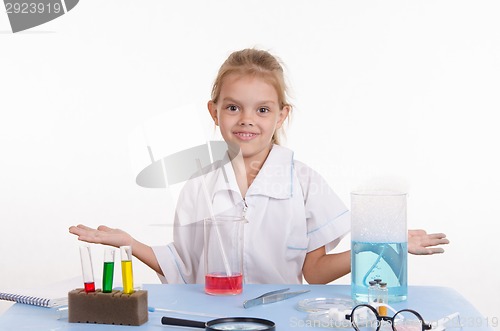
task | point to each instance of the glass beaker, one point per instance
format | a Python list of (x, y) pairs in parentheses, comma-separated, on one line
[(379, 243), (224, 255)]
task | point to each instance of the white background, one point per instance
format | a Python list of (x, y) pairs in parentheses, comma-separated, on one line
[(386, 93)]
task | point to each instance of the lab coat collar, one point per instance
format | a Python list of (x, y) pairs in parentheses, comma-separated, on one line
[(275, 177), (273, 180), (225, 178)]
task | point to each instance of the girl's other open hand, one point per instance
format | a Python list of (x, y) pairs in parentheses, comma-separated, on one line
[(421, 243), (102, 235)]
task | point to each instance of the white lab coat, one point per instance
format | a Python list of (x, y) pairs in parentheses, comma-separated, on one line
[(290, 209)]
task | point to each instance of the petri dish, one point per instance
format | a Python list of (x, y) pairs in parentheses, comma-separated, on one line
[(327, 312), (313, 305)]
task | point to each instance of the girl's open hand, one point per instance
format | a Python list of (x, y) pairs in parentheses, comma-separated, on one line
[(102, 235), (421, 243)]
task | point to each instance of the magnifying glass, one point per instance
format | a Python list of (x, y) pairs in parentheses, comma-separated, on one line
[(226, 323)]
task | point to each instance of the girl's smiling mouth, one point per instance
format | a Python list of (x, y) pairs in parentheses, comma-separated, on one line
[(245, 135)]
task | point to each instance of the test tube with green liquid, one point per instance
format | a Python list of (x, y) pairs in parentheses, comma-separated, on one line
[(108, 270), (127, 276)]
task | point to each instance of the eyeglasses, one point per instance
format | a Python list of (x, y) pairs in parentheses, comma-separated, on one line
[(366, 317)]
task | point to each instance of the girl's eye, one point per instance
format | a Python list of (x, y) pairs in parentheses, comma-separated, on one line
[(263, 110), (232, 108)]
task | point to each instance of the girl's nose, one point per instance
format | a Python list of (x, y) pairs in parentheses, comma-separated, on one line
[(246, 118)]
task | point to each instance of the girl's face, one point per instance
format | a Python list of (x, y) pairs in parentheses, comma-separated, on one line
[(248, 113)]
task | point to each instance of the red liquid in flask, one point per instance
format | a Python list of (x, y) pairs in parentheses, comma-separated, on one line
[(89, 287), (220, 284)]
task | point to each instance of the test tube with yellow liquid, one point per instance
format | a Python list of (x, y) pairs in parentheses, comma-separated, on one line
[(127, 275)]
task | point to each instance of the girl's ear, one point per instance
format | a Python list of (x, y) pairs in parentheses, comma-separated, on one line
[(283, 115), (212, 109)]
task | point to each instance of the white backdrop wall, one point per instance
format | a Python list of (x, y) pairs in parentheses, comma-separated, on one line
[(386, 93)]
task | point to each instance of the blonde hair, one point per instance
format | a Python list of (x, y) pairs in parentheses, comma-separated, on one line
[(259, 63)]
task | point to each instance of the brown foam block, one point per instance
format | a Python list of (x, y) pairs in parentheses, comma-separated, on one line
[(115, 308)]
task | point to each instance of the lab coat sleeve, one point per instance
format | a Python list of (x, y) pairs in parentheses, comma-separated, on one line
[(328, 219), (170, 264)]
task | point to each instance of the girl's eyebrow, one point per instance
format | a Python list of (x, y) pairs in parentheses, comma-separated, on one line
[(263, 102), (226, 99)]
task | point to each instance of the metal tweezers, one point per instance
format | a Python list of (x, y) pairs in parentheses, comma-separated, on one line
[(271, 297)]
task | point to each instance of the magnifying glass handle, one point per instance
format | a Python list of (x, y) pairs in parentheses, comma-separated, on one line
[(182, 322)]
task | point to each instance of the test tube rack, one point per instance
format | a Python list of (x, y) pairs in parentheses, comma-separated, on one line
[(115, 308)]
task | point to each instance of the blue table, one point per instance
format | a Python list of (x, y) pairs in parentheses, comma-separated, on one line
[(432, 302)]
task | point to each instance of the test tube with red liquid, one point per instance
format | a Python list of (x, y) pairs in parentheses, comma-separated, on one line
[(87, 272)]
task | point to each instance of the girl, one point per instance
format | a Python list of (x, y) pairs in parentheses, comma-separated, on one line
[(294, 218)]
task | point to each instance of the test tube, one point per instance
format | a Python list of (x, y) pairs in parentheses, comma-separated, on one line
[(127, 275), (108, 270), (87, 272)]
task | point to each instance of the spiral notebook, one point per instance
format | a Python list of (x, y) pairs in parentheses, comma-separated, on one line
[(52, 295), (32, 299)]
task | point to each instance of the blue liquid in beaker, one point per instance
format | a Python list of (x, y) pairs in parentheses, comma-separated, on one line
[(386, 261)]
